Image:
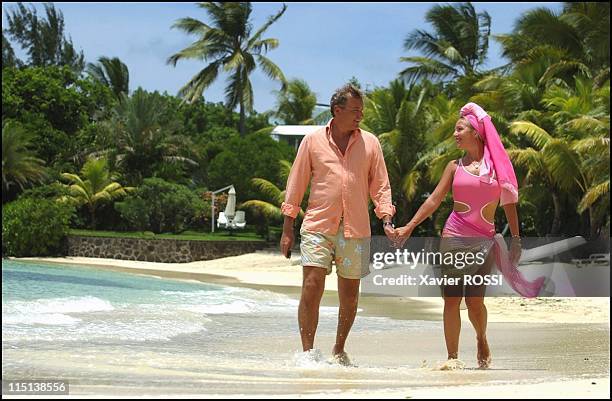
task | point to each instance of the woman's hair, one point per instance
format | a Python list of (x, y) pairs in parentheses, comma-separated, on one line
[(469, 125)]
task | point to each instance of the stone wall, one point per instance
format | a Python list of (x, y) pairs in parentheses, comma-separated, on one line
[(157, 250)]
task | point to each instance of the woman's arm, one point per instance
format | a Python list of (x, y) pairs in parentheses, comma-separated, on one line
[(433, 201), (512, 217), (516, 248)]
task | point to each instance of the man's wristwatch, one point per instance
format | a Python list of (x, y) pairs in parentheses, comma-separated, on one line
[(388, 223)]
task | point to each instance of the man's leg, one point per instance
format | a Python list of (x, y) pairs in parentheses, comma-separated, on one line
[(348, 293), (313, 285)]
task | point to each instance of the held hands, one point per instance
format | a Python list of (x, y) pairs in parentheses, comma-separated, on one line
[(389, 232), (401, 235), (473, 108)]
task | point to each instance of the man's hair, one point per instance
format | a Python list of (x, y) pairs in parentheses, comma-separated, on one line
[(340, 97)]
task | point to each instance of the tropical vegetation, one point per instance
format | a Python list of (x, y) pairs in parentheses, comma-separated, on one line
[(76, 136)]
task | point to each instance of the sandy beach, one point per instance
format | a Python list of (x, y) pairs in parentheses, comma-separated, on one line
[(542, 347), (273, 272)]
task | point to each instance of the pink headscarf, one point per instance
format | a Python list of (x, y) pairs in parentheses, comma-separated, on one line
[(495, 158)]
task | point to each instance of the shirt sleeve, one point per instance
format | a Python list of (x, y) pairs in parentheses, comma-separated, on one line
[(298, 180), (380, 189)]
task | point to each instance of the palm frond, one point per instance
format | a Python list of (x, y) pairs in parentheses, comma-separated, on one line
[(593, 195), (191, 26), (192, 91), (268, 189), (410, 184), (536, 134), (271, 19), (266, 209), (272, 70)]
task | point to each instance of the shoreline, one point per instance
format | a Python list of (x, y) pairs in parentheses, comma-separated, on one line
[(518, 329), (263, 270)]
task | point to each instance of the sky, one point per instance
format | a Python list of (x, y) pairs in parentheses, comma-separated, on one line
[(326, 44)]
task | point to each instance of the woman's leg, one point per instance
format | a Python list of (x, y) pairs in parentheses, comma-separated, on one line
[(477, 312), (452, 320)]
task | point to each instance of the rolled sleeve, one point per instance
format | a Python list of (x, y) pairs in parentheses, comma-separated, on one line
[(298, 180), (290, 210), (380, 189), (383, 210)]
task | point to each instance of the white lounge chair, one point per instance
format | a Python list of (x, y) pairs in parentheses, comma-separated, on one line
[(239, 221), (222, 220)]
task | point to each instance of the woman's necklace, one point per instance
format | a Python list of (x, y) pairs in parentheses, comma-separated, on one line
[(476, 163)]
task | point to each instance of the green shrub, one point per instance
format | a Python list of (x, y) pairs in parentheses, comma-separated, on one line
[(160, 206), (34, 226)]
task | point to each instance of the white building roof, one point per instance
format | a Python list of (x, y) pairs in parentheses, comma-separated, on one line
[(295, 130)]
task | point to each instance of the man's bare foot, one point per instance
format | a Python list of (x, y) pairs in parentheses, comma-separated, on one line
[(484, 354), (340, 357)]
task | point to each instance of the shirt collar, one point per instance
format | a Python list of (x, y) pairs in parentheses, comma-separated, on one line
[(328, 129)]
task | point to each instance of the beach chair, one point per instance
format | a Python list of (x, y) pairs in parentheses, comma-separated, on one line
[(239, 220), (222, 220)]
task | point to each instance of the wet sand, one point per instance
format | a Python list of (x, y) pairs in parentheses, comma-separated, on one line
[(554, 348)]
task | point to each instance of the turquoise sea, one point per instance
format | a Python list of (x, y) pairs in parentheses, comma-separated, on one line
[(113, 333)]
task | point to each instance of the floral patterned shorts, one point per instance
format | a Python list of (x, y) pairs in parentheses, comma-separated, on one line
[(350, 255)]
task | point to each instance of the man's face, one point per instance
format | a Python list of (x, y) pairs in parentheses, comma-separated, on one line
[(349, 115)]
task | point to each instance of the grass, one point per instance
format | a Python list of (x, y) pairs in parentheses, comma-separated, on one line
[(186, 235)]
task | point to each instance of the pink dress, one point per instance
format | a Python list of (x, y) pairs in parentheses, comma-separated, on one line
[(469, 190)]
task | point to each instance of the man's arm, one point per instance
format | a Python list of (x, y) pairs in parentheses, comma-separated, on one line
[(297, 182), (380, 191), (287, 237), (379, 187)]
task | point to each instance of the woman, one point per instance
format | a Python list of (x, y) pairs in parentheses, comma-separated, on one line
[(481, 179)]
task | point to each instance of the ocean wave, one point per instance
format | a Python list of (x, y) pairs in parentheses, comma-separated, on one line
[(52, 311), (84, 304), (50, 319)]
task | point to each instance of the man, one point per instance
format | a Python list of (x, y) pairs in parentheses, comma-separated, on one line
[(343, 165)]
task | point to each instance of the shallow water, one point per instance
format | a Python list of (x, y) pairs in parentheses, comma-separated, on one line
[(127, 334)]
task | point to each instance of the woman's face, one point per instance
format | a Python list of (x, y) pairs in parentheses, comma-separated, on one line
[(465, 135)]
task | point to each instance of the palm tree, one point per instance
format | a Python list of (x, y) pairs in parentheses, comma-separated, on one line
[(398, 114), (94, 187), (579, 36), (573, 160), (522, 89), (113, 73), (43, 38), (19, 166), (230, 45), (269, 207), (457, 47), (274, 197), (142, 144), (296, 104)]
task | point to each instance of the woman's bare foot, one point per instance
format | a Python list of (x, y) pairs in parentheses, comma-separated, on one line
[(453, 363), (484, 354)]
